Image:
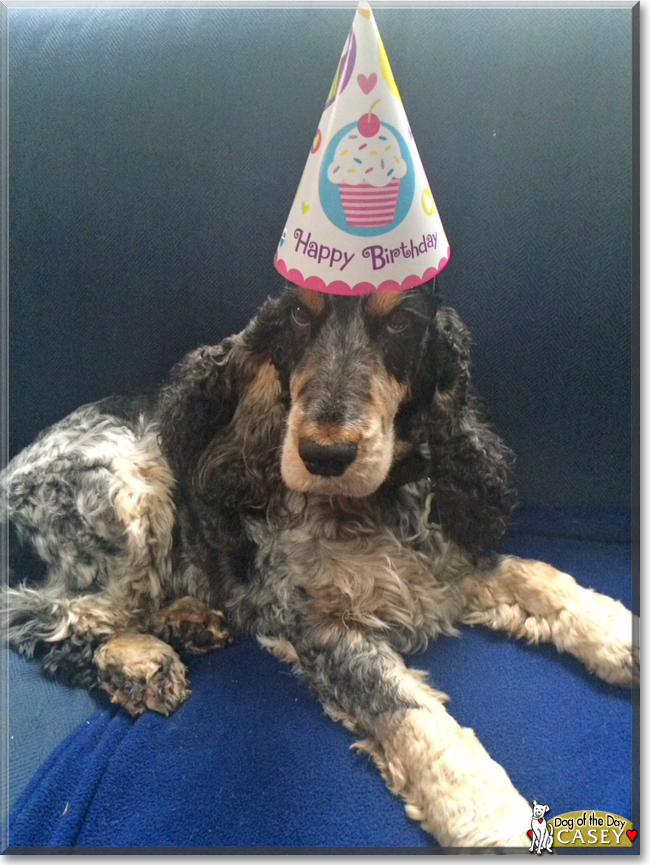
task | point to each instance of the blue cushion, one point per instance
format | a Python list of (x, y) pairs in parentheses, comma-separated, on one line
[(251, 760), (40, 714)]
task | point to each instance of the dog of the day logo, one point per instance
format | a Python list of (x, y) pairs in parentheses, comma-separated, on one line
[(578, 830), (541, 831)]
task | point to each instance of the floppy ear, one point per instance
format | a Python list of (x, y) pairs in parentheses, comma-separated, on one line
[(207, 391), (470, 466), (199, 399), (221, 418)]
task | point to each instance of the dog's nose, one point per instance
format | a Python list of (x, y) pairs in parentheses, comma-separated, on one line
[(329, 461)]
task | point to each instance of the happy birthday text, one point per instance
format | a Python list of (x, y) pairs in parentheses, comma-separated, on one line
[(379, 255)]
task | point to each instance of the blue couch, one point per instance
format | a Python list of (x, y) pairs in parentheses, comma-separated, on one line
[(154, 154)]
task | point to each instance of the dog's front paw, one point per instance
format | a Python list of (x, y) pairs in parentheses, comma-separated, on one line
[(191, 625), (613, 653), (140, 672), (618, 663)]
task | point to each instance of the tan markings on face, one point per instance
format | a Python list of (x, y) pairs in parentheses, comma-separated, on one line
[(383, 304), (329, 434), (313, 300), (299, 381), (387, 395), (373, 434)]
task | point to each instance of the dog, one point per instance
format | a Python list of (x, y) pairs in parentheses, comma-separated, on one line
[(542, 832), (276, 485)]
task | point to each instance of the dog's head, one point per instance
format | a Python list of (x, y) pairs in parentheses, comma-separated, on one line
[(378, 392), (340, 396), (539, 810), (350, 366)]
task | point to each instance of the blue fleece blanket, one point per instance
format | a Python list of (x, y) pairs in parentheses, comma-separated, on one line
[(252, 761)]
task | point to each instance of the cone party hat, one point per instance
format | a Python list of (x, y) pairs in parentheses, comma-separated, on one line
[(363, 219)]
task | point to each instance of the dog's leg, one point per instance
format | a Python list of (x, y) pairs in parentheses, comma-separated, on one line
[(448, 780), (92, 500), (141, 672), (91, 641), (533, 600), (193, 625)]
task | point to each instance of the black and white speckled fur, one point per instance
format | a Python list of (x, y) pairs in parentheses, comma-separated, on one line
[(204, 490)]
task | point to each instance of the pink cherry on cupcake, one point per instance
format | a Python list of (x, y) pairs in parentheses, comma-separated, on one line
[(369, 124)]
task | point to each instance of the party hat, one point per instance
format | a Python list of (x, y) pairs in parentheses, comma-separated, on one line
[(363, 219)]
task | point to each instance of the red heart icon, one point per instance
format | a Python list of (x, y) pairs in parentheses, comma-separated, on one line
[(540, 819), (367, 84), (631, 834), (530, 833)]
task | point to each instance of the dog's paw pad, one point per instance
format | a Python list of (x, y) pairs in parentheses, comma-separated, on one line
[(204, 639), (140, 672), (193, 625)]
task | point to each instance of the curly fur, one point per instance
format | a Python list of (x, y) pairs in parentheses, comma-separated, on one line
[(282, 478)]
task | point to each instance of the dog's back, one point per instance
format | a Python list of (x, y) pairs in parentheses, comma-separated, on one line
[(92, 497)]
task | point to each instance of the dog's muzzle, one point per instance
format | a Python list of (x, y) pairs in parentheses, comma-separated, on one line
[(328, 461)]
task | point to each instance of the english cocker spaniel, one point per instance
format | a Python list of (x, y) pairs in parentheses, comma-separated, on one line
[(324, 481)]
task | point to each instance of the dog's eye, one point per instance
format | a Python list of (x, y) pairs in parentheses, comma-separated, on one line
[(300, 316), (398, 322)]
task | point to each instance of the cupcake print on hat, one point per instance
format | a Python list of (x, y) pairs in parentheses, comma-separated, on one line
[(363, 220), (367, 177), (368, 166)]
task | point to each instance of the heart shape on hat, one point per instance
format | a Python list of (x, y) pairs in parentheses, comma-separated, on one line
[(631, 834), (367, 84)]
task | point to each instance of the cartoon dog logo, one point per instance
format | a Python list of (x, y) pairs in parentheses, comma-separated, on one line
[(542, 832)]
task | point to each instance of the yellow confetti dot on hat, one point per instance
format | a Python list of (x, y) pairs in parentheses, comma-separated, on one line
[(427, 203), (386, 71)]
